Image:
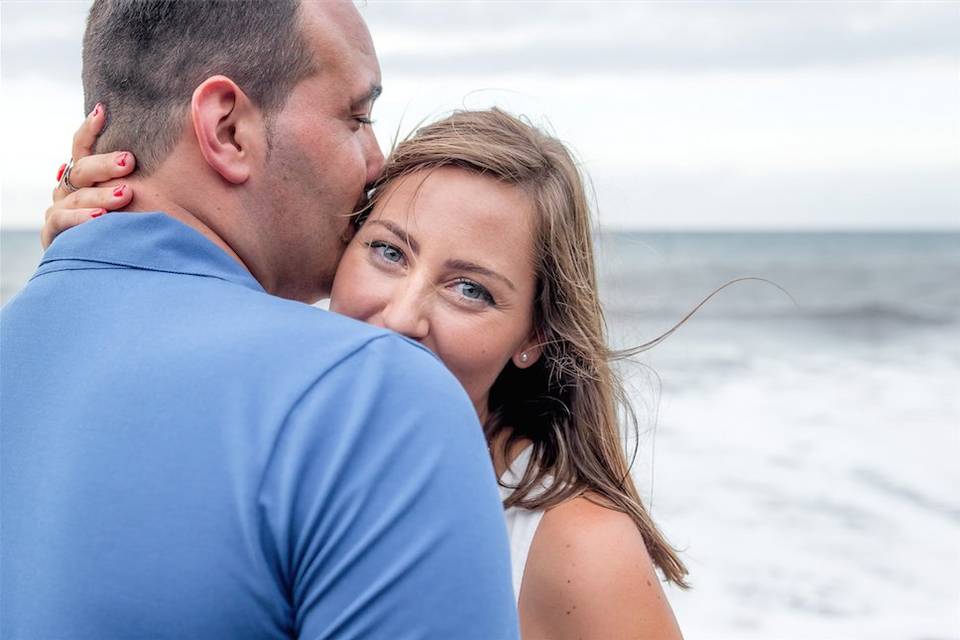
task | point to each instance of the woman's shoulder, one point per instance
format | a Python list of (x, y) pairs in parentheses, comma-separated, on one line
[(589, 575), (587, 527)]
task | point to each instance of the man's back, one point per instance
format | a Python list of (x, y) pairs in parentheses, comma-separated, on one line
[(186, 456)]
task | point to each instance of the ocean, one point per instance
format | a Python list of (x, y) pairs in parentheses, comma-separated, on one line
[(799, 435)]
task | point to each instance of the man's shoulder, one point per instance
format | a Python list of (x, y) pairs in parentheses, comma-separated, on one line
[(303, 321), (278, 320), (291, 333)]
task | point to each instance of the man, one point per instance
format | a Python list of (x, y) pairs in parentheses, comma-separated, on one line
[(185, 455)]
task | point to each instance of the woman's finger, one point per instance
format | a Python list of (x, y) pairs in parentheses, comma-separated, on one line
[(92, 170), (86, 136), (59, 220), (109, 198)]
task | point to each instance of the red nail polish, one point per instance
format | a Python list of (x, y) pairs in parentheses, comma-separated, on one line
[(60, 171), (121, 161), (99, 213), (118, 192)]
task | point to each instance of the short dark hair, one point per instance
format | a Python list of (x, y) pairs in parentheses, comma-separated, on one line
[(144, 58)]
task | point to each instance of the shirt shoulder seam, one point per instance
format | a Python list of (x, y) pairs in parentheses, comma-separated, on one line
[(278, 436)]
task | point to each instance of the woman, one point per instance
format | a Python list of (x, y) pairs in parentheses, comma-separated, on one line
[(477, 244)]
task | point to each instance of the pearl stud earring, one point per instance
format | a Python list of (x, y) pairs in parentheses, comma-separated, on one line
[(524, 357)]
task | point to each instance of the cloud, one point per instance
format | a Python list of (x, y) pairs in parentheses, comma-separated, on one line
[(572, 38), (783, 199), (42, 40), (601, 38), (686, 114)]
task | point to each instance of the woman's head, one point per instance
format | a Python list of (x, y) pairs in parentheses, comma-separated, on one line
[(446, 257), (485, 190)]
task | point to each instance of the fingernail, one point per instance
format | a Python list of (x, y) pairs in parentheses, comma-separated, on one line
[(96, 110), (118, 192), (98, 213), (60, 171), (121, 161)]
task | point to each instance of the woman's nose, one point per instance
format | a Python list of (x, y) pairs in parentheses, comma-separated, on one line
[(406, 312)]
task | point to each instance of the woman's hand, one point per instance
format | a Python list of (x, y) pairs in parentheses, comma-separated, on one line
[(89, 201)]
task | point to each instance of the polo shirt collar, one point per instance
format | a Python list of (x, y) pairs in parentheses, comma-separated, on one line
[(152, 241)]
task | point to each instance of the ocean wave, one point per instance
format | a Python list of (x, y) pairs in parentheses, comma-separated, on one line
[(866, 314), (877, 312), (914, 497)]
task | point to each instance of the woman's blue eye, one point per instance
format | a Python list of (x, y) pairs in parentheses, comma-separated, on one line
[(386, 251), (473, 291)]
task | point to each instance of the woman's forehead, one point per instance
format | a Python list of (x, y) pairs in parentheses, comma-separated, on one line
[(455, 195)]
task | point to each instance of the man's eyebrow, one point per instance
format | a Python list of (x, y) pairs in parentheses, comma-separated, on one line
[(370, 96), (472, 267), (400, 232)]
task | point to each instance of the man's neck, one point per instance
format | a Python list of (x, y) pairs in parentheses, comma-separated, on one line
[(193, 221), (148, 197), (217, 214)]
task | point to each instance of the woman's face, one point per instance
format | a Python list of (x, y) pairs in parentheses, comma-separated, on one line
[(446, 258)]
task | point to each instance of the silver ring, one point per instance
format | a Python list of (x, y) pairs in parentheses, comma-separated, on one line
[(65, 178)]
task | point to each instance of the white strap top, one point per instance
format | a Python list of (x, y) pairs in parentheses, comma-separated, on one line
[(521, 523)]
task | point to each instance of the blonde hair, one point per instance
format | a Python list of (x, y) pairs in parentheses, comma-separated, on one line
[(569, 403)]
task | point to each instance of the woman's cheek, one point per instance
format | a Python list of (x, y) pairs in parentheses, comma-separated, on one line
[(471, 350), (350, 287)]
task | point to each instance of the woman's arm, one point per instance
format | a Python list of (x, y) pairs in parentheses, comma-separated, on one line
[(89, 200), (589, 576)]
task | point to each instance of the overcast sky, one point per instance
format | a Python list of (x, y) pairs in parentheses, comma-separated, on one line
[(719, 115)]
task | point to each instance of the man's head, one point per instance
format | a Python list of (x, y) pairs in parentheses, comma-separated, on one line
[(145, 58), (246, 114)]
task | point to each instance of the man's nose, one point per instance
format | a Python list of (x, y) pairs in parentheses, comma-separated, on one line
[(406, 312), (374, 158)]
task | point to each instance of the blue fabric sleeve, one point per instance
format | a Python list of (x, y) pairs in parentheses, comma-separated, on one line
[(379, 510)]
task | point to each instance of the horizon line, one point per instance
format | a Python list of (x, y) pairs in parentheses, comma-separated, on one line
[(601, 228)]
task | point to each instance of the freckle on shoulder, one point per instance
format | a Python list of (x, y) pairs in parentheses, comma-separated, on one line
[(589, 555)]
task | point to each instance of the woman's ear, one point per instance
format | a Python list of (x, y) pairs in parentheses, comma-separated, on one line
[(229, 128), (528, 353)]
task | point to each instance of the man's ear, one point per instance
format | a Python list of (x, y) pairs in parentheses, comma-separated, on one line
[(229, 128), (528, 353)]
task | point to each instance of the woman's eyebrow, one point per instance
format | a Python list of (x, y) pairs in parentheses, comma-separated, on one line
[(455, 265), (473, 267), (400, 232)]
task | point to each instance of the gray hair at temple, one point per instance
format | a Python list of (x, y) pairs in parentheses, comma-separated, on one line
[(143, 59)]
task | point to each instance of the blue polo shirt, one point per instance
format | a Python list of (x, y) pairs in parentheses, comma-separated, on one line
[(185, 456)]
